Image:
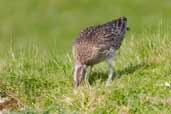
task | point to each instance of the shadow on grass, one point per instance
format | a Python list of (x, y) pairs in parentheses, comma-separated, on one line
[(97, 76), (131, 69), (119, 73)]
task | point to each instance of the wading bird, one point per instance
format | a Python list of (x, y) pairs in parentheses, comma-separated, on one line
[(96, 44)]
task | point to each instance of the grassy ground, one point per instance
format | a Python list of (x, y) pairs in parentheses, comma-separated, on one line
[(36, 62)]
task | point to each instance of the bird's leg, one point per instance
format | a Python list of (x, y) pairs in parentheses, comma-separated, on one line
[(87, 75), (110, 74)]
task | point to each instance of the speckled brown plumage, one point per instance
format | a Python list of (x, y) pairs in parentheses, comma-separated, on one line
[(98, 43)]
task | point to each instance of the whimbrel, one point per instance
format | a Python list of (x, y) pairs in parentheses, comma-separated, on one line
[(96, 44)]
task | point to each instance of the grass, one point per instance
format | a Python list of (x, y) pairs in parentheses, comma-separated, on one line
[(37, 68), (43, 82)]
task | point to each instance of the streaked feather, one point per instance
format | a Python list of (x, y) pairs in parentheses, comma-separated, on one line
[(96, 43)]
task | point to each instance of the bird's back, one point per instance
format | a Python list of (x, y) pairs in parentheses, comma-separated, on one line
[(95, 43)]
